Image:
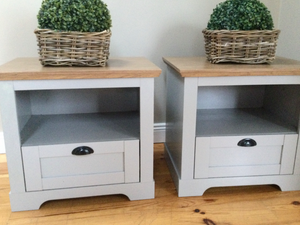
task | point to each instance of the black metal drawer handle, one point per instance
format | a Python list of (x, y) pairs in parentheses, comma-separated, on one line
[(247, 142), (82, 150)]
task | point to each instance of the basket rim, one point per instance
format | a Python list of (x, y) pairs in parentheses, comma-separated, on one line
[(39, 30), (239, 31)]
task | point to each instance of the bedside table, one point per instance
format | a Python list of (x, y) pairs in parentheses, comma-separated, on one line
[(232, 124), (78, 131)]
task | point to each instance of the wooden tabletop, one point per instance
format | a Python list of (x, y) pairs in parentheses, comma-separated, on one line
[(31, 69), (200, 67)]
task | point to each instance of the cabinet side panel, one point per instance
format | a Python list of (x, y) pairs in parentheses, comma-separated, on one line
[(174, 117), (23, 108), (11, 137)]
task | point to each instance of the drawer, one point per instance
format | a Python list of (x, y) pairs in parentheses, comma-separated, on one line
[(54, 166), (245, 156)]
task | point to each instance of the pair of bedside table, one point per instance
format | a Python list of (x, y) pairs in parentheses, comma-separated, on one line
[(77, 132)]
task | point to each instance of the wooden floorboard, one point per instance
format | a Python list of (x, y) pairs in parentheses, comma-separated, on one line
[(250, 205)]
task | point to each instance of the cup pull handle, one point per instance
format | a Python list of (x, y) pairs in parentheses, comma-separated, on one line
[(82, 150), (247, 142)]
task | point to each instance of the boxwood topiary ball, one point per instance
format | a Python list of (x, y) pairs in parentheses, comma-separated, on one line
[(241, 15), (74, 15)]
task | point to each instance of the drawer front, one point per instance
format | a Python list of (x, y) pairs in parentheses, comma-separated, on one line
[(54, 166), (225, 151), (244, 156)]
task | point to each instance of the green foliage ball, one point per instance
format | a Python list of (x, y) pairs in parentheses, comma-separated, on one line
[(241, 15), (74, 15)]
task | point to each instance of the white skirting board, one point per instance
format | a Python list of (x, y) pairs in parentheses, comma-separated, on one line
[(159, 132), (159, 136)]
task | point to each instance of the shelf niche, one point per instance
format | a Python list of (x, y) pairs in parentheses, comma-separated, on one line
[(247, 110), (82, 115)]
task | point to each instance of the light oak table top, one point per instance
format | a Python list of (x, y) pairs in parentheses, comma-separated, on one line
[(31, 69), (200, 67)]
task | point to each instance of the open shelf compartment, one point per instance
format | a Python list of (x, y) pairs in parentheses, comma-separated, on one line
[(248, 110), (73, 116)]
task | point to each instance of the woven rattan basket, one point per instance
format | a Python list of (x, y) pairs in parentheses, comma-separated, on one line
[(252, 47), (73, 48)]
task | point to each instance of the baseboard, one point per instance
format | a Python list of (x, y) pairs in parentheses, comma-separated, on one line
[(159, 135), (159, 132)]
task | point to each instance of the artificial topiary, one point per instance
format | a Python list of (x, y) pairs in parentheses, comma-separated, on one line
[(241, 15), (74, 15)]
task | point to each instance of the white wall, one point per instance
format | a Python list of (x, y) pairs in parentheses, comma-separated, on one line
[(17, 22), (274, 7), (289, 24)]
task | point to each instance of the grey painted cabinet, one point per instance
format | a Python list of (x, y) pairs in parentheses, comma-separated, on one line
[(78, 131), (232, 124)]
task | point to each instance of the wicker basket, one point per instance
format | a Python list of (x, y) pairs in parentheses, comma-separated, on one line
[(252, 47), (73, 48)]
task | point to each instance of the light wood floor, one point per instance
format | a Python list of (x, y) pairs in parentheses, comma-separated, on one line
[(258, 205)]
